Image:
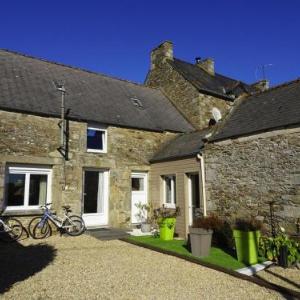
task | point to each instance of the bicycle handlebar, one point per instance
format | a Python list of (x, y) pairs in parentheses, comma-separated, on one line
[(46, 205)]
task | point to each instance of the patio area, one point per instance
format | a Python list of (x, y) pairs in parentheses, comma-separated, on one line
[(85, 267)]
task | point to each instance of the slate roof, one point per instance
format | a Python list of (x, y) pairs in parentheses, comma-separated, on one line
[(274, 108), (184, 145), (217, 85), (26, 84)]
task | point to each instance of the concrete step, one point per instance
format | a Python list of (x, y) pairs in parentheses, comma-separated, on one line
[(107, 233)]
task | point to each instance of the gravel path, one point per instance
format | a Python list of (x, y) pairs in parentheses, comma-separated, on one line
[(86, 268)]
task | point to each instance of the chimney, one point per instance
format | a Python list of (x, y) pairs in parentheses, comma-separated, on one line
[(261, 85), (206, 64), (161, 53)]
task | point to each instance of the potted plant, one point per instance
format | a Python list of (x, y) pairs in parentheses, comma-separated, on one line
[(280, 249), (200, 234), (166, 220), (145, 214), (246, 235)]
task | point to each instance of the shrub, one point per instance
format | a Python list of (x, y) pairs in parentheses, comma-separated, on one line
[(210, 222), (248, 225)]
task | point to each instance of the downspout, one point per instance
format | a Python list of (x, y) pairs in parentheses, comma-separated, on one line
[(201, 158)]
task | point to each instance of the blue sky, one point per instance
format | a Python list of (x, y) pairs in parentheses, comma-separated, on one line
[(115, 37)]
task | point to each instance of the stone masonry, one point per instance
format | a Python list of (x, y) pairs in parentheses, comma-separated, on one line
[(243, 175), (28, 139), (195, 106)]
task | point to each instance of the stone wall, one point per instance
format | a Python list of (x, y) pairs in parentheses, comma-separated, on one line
[(195, 106), (244, 174), (28, 139)]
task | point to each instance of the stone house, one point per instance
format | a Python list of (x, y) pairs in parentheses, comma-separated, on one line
[(100, 165), (236, 165), (190, 138)]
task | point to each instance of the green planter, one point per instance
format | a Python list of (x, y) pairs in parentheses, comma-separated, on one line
[(246, 243), (166, 228)]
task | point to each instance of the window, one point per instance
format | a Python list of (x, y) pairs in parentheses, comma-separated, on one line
[(169, 190), (27, 188), (137, 184), (96, 139)]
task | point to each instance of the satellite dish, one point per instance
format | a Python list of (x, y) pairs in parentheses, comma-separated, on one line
[(216, 114)]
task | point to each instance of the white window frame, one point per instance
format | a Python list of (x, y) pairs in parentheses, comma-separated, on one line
[(27, 171), (173, 191), (104, 141)]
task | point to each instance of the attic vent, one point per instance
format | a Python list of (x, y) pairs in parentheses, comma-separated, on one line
[(137, 102)]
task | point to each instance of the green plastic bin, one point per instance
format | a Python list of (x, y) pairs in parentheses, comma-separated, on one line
[(166, 228), (246, 243)]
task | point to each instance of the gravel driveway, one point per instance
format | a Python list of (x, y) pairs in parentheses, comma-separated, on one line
[(86, 268)]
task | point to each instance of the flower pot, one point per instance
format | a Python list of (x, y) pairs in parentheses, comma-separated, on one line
[(145, 227), (283, 257), (246, 243), (200, 241), (166, 228)]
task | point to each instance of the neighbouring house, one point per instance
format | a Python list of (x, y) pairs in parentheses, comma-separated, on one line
[(189, 137), (254, 158), (245, 154), (100, 164)]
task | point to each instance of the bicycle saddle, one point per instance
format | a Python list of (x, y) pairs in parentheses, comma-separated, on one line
[(67, 208)]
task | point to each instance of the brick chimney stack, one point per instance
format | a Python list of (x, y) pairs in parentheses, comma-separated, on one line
[(161, 53), (207, 64)]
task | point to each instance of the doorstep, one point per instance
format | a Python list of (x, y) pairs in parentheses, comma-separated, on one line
[(138, 232), (251, 270)]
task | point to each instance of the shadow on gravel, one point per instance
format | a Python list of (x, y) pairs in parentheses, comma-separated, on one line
[(18, 262)]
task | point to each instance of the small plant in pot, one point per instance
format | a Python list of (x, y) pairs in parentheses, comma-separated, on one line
[(246, 233), (145, 214), (201, 232), (280, 249), (166, 220)]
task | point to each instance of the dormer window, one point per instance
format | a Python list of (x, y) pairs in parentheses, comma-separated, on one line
[(96, 139)]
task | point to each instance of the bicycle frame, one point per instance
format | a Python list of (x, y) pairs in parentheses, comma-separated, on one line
[(5, 227), (57, 221)]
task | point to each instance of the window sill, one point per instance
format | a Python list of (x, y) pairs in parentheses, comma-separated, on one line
[(169, 205), (25, 212), (96, 151)]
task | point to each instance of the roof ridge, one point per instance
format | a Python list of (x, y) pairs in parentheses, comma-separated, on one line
[(77, 68), (219, 74)]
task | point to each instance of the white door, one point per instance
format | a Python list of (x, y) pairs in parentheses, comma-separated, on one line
[(194, 197), (95, 198), (139, 187)]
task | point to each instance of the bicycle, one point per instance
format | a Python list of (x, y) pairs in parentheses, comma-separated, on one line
[(40, 228), (11, 229)]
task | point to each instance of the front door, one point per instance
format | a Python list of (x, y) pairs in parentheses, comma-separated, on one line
[(194, 197), (139, 186), (95, 198)]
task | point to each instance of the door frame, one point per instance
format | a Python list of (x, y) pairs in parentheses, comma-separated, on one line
[(139, 174), (106, 177), (190, 207)]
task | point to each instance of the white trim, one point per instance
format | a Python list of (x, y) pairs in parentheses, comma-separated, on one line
[(102, 219), (104, 141), (173, 191), (144, 192), (27, 171)]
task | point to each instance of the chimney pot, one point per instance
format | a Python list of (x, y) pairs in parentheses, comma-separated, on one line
[(207, 65)]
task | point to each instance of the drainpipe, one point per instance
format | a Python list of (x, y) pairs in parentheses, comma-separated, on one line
[(201, 158)]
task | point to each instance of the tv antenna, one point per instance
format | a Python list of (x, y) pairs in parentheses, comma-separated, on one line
[(262, 69)]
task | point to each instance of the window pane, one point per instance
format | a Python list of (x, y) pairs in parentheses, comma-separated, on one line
[(15, 189), (95, 139), (37, 189), (91, 181), (137, 184), (168, 190)]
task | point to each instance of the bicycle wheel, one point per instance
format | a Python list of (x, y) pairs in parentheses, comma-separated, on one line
[(12, 230), (32, 224), (74, 225), (41, 230)]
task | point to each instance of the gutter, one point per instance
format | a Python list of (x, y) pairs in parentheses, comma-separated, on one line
[(202, 166)]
